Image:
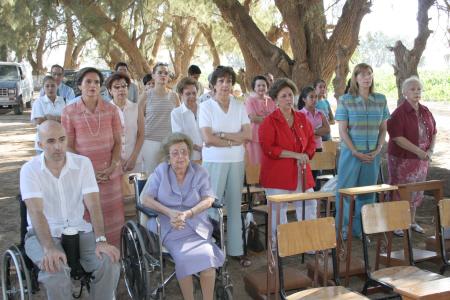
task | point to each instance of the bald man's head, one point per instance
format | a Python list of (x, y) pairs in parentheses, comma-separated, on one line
[(53, 140)]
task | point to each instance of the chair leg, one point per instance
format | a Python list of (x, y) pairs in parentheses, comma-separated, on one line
[(266, 218), (244, 231), (443, 269)]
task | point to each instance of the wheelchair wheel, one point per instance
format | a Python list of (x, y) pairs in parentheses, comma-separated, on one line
[(15, 277), (134, 264)]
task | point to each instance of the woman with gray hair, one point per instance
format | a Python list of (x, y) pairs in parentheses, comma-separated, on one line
[(412, 135), (180, 192)]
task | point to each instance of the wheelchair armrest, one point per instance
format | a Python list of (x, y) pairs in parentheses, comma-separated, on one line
[(147, 211), (217, 204)]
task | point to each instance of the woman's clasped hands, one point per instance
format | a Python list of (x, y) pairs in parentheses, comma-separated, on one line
[(178, 219)]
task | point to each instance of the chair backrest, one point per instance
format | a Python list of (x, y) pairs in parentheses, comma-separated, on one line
[(330, 146), (323, 161), (252, 173), (385, 216), (310, 235), (444, 212)]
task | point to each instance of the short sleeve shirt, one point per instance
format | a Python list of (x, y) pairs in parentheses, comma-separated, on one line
[(44, 106), (212, 116), (63, 196), (363, 121)]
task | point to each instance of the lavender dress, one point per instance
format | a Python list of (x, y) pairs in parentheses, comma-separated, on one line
[(191, 248)]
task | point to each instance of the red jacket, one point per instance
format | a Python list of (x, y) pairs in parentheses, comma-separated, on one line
[(404, 122), (275, 135)]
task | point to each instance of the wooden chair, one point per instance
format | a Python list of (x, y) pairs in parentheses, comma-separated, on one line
[(324, 161), (381, 218), (330, 146), (312, 235), (444, 223)]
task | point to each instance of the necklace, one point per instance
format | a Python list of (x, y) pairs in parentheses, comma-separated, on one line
[(87, 122)]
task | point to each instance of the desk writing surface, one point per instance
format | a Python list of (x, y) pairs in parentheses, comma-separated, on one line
[(368, 189), (435, 289), (299, 196)]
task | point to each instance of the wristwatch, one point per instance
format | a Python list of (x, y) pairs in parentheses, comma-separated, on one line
[(100, 239)]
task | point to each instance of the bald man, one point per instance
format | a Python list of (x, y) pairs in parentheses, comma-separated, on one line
[(57, 186)]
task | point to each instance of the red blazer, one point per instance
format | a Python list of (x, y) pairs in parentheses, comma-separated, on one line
[(404, 122), (275, 135)]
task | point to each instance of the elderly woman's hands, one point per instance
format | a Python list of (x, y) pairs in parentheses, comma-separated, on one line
[(178, 218)]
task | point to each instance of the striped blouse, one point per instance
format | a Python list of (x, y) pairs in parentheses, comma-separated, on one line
[(157, 116)]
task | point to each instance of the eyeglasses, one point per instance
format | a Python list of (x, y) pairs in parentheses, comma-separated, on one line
[(161, 64), (118, 87), (57, 74), (176, 153)]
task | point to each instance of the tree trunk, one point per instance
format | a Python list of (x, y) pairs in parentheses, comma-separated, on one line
[(340, 80), (184, 44), (3, 53), (406, 61), (207, 33), (37, 61), (314, 54), (70, 45), (94, 19)]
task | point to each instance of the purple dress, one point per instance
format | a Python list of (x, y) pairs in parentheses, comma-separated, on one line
[(191, 248)]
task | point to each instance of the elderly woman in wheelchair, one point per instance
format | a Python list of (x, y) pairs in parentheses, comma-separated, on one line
[(180, 192)]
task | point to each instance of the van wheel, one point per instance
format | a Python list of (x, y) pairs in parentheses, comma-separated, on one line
[(18, 109)]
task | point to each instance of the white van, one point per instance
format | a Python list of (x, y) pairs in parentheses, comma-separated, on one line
[(15, 89)]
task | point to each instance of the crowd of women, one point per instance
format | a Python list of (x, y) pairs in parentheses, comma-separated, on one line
[(194, 146)]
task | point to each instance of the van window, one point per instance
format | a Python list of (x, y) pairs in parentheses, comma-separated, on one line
[(8, 72)]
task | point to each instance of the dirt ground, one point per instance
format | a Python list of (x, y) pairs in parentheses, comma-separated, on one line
[(16, 147)]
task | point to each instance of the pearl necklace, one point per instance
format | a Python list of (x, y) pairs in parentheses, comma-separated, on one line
[(89, 126)]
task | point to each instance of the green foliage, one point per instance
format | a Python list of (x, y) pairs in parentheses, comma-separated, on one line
[(373, 50), (435, 84)]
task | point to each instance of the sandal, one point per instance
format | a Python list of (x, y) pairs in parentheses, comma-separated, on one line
[(399, 233), (416, 227), (244, 261)]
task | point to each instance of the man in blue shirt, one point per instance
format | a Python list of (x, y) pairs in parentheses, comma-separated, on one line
[(63, 90)]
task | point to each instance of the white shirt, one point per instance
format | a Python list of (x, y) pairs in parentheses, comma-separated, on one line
[(44, 106), (183, 120), (129, 120), (63, 196), (211, 115)]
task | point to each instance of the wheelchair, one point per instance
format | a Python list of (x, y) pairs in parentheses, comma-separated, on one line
[(144, 260), (19, 275)]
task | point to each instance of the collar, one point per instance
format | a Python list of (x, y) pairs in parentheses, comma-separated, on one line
[(82, 108), (185, 109), (57, 100), (307, 112), (70, 164), (125, 107), (408, 107), (277, 114), (371, 98)]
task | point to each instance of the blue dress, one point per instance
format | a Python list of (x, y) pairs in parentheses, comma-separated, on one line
[(191, 247)]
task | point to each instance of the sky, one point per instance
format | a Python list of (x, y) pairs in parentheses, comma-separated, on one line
[(396, 18)]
